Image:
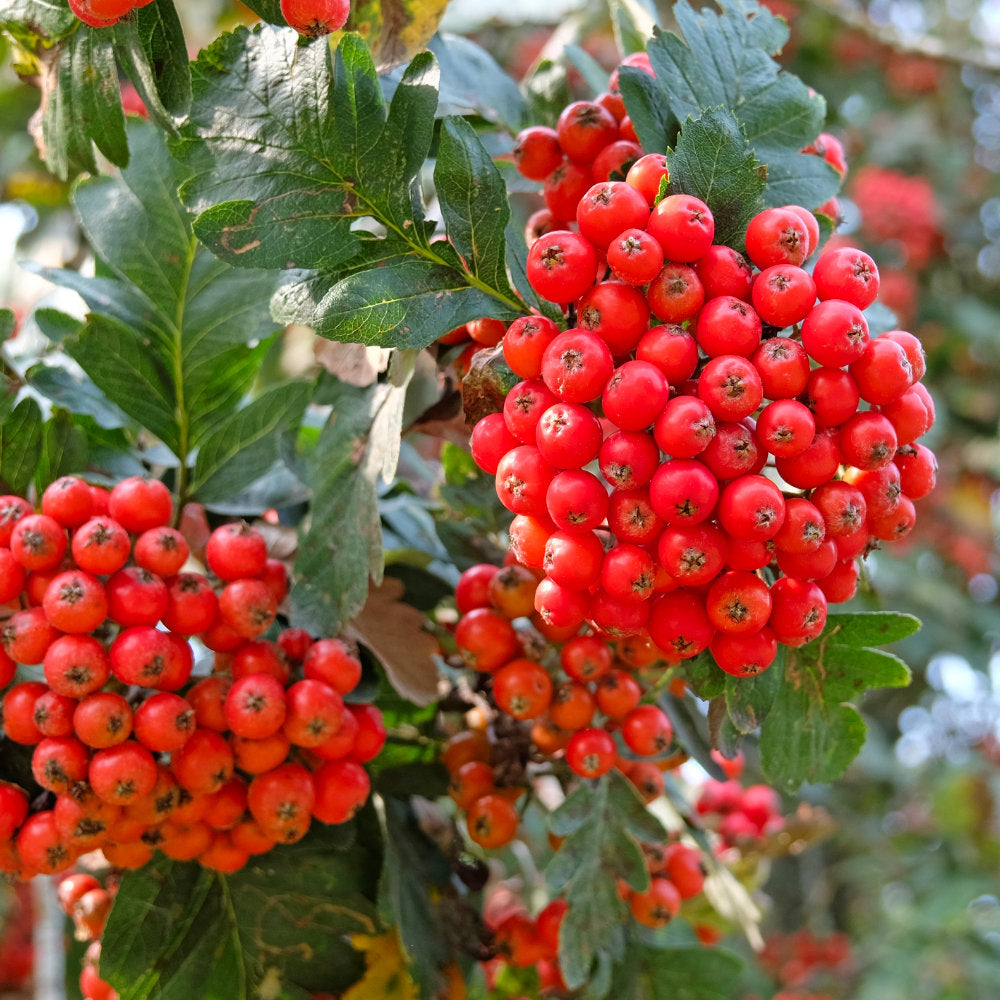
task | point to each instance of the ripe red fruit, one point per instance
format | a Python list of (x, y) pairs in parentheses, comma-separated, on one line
[(492, 820), (577, 365), (609, 208), (68, 500), (255, 706), (313, 712), (103, 719), (100, 546), (235, 550), (333, 661), (591, 752), (163, 722), (562, 265), (204, 764), (139, 503), (136, 596), (777, 236), (647, 730), (12, 509), (150, 657), (315, 17), (584, 129), (248, 606), (537, 152), (75, 602), (161, 550), (522, 688), (27, 635), (342, 788), (282, 800), (684, 227), (38, 542), (123, 773)]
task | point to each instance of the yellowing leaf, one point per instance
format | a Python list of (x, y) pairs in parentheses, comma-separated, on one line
[(396, 30), (386, 977)]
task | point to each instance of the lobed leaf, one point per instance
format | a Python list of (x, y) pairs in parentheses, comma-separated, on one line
[(274, 928)]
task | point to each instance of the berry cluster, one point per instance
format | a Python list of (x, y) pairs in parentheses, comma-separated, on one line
[(739, 813), (133, 750), (799, 959), (104, 13), (705, 453)]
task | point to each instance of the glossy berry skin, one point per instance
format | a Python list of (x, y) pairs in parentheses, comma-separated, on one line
[(537, 152), (591, 752), (139, 503), (562, 265), (684, 227), (315, 17)]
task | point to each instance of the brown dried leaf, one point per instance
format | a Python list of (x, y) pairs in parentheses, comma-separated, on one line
[(395, 633)]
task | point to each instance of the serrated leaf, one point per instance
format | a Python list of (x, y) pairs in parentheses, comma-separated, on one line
[(21, 445), (474, 203), (122, 367), (175, 337), (473, 81), (81, 105), (244, 446), (722, 60), (869, 628), (603, 823), (275, 928), (749, 699), (407, 302), (326, 153), (848, 670), (714, 161), (414, 878), (153, 51), (340, 544)]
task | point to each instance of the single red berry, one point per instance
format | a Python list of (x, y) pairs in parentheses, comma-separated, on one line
[(139, 503), (313, 18)]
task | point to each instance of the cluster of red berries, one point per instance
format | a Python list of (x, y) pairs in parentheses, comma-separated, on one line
[(708, 450), (523, 941), (104, 13), (739, 813), (87, 903), (133, 750), (797, 958), (576, 690)]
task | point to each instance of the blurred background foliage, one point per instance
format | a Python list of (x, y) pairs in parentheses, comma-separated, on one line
[(910, 872)]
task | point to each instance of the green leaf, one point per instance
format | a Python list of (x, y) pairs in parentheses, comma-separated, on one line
[(654, 122), (340, 544), (474, 203), (31, 20), (153, 51), (714, 162), (472, 80), (267, 10), (8, 324), (275, 928), (722, 61), (82, 105), (77, 393), (122, 368), (603, 823), (328, 157), (869, 628), (676, 973), (407, 302), (415, 878), (21, 445), (849, 670), (175, 337), (245, 445), (64, 450), (749, 699), (55, 324)]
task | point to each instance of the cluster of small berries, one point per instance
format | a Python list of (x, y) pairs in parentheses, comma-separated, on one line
[(739, 813), (707, 451), (134, 751), (87, 903), (797, 958), (104, 13)]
